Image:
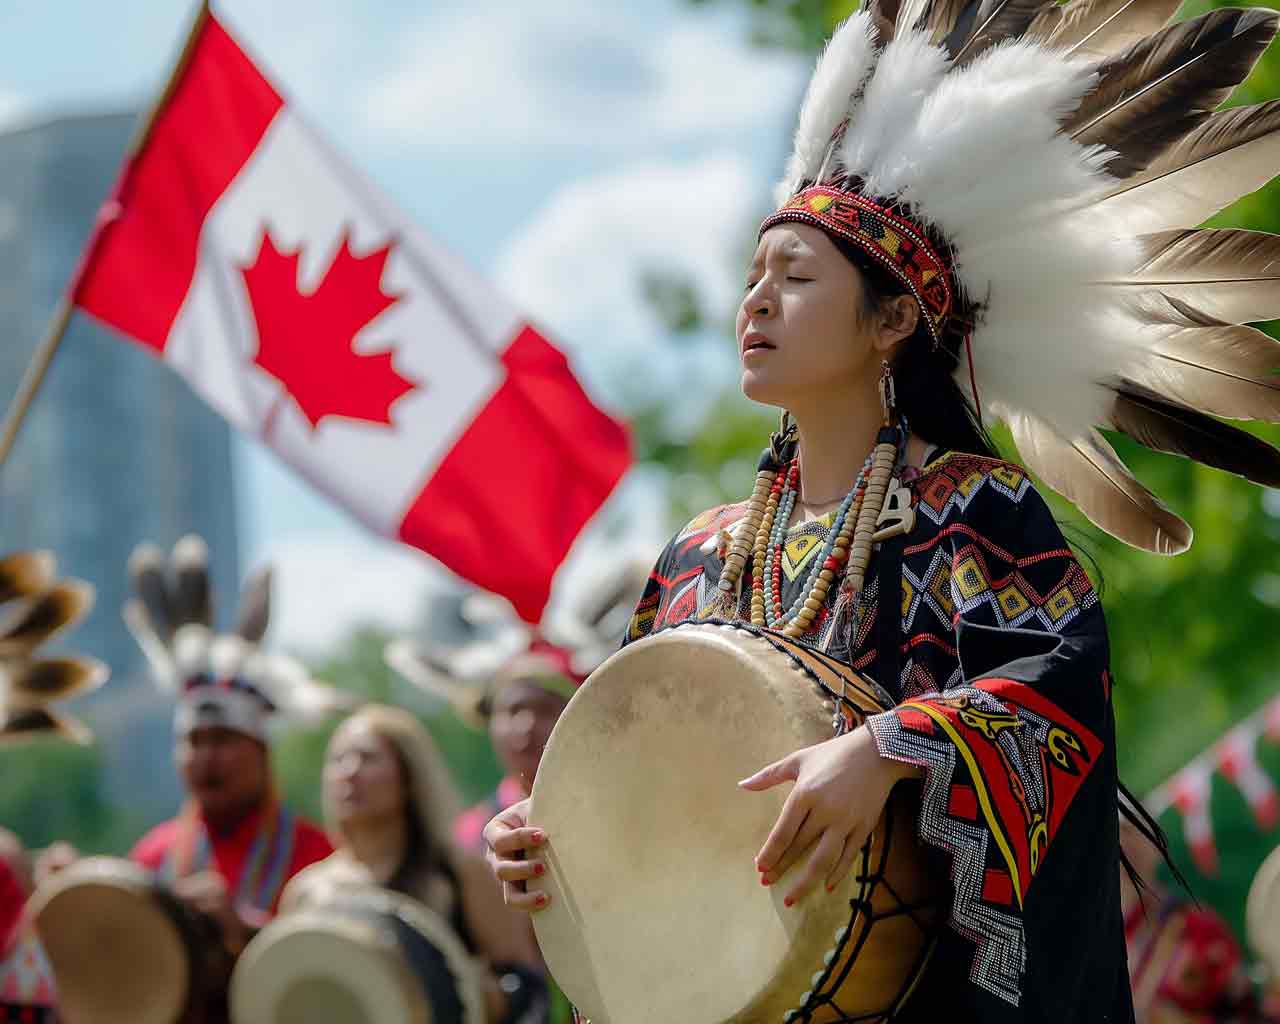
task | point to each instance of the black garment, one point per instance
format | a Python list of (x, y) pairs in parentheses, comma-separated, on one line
[(1003, 698)]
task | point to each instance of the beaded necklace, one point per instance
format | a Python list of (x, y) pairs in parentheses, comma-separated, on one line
[(847, 550)]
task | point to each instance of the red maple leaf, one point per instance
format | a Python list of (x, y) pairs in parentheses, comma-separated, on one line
[(305, 341)]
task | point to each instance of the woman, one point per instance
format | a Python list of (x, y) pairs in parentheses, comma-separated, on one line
[(388, 805), (971, 230)]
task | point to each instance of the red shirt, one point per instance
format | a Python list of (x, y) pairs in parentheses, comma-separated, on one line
[(231, 848), (12, 900), (468, 829)]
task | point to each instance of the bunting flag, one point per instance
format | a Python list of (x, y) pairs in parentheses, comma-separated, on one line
[(238, 247), (1234, 758)]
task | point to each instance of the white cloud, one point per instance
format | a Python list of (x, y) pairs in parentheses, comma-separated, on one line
[(578, 265), (579, 74)]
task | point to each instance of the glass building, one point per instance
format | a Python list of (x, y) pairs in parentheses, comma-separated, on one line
[(116, 448)]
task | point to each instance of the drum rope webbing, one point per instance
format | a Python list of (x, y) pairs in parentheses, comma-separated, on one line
[(862, 920)]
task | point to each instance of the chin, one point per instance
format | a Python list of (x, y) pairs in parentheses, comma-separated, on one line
[(759, 388)]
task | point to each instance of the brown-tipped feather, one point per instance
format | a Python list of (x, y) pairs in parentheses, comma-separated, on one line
[(884, 15), (1090, 475), (61, 605), (1097, 29), (255, 607), (1226, 370), (1231, 276), (48, 679), (945, 19), (1153, 94), (192, 600), (25, 572), (1165, 426), (994, 22), (1235, 152), (146, 575), (38, 723)]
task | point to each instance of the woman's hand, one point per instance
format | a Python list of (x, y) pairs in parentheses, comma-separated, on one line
[(511, 843), (841, 786)]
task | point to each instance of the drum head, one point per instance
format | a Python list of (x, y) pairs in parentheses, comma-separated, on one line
[(657, 912), (117, 955), (351, 961), (1262, 913)]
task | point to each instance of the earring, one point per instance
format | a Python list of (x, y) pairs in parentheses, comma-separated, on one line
[(888, 396)]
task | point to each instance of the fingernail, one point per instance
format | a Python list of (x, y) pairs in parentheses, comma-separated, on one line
[(788, 902), (764, 879), (539, 868), (541, 900), (831, 888), (539, 837)]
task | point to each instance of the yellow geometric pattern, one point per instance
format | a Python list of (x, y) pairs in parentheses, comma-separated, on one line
[(970, 579), (1060, 602), (798, 552), (1012, 601)]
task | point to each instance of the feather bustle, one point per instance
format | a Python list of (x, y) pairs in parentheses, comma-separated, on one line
[(1096, 29), (1087, 472), (24, 573), (1231, 276), (1175, 429), (1151, 95), (1234, 152), (1224, 370), (994, 22)]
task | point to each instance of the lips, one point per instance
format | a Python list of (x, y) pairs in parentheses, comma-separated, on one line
[(754, 340)]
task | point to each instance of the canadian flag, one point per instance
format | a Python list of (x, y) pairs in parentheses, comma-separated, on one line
[(311, 313)]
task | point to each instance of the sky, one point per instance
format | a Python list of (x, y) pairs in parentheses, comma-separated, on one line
[(562, 148)]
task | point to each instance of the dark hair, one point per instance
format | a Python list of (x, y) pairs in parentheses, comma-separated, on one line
[(928, 395)]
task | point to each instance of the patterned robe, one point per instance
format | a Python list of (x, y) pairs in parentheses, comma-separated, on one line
[(1003, 698)]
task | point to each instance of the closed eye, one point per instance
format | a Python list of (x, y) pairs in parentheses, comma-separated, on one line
[(802, 280)]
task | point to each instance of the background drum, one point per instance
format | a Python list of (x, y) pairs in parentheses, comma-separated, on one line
[(123, 950), (657, 912), (368, 955)]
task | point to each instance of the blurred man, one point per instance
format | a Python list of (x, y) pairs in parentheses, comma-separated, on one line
[(233, 847)]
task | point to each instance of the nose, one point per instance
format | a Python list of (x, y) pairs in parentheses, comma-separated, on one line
[(760, 303), (522, 724)]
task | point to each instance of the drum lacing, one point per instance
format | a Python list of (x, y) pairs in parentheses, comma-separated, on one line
[(849, 940)]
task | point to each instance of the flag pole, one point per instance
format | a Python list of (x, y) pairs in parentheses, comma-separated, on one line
[(41, 359)]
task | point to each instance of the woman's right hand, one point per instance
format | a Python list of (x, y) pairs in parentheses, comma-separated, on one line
[(512, 845)]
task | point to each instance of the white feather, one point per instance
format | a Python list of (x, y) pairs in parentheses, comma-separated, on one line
[(908, 70), (841, 70)]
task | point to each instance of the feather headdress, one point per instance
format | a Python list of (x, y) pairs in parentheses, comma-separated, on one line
[(502, 649), (35, 606), (1034, 174), (222, 679)]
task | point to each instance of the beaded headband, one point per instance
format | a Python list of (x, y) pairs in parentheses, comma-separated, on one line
[(889, 239)]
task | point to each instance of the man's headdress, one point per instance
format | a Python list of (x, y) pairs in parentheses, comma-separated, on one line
[(35, 606), (223, 680), (1034, 174)]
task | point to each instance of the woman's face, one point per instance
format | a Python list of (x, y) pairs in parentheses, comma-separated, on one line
[(521, 722), (801, 328), (362, 777)]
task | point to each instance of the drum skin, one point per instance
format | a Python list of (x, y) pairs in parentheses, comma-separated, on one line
[(656, 910), (366, 954), (120, 954)]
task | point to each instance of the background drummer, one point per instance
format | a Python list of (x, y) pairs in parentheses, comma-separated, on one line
[(388, 807)]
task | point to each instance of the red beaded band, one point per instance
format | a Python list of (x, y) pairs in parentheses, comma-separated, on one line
[(892, 241)]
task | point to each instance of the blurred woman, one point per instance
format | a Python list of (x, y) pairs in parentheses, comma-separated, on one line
[(389, 807)]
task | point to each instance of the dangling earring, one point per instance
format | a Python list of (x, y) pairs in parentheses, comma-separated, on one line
[(888, 395)]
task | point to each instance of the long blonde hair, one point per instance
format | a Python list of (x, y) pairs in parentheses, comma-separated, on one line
[(431, 801)]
